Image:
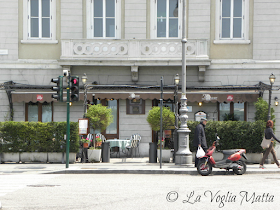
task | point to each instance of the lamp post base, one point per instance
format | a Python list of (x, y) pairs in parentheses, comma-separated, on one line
[(183, 159), (183, 155)]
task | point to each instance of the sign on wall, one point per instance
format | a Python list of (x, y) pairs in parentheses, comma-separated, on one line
[(229, 97), (39, 97), (83, 126)]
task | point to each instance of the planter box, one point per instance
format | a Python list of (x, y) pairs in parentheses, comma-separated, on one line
[(10, 157), (52, 157), (94, 155), (254, 157), (59, 157), (33, 157), (166, 155), (56, 157)]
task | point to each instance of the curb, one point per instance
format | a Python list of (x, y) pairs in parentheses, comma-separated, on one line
[(159, 171)]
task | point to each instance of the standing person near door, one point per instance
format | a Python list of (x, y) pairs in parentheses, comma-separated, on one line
[(268, 132), (199, 137)]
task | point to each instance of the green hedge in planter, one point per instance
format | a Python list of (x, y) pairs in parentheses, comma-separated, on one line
[(233, 134), (37, 136)]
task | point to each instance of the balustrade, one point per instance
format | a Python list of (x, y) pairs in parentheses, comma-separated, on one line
[(131, 49)]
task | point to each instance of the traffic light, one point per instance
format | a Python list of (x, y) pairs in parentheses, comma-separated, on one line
[(58, 88), (74, 88)]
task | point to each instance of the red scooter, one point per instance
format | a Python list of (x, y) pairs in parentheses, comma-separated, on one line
[(231, 160)]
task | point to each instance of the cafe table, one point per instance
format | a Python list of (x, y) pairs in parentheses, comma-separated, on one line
[(121, 143)]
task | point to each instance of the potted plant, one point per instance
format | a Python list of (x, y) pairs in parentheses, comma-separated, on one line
[(98, 141), (168, 119), (100, 117), (85, 142)]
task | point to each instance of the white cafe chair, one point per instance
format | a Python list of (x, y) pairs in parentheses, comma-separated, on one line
[(134, 145)]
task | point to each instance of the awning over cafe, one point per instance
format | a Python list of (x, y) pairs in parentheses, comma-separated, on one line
[(206, 96), (31, 97), (193, 95), (41, 96)]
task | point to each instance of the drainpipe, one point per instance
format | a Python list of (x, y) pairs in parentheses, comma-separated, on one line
[(9, 94)]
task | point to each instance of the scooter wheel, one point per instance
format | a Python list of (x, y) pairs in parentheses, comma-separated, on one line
[(241, 169), (204, 169)]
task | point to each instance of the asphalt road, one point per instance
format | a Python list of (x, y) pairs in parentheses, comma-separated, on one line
[(138, 191)]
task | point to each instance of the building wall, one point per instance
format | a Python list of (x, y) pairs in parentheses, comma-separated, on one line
[(231, 51), (72, 19), (136, 124), (199, 16), (9, 30), (135, 11), (34, 51), (266, 30)]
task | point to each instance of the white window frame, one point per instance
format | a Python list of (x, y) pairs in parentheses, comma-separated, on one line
[(26, 25), (90, 21), (153, 14), (245, 25)]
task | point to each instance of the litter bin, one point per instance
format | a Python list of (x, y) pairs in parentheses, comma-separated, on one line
[(105, 152), (152, 152)]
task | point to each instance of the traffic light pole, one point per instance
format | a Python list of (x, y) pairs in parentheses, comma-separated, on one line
[(68, 123)]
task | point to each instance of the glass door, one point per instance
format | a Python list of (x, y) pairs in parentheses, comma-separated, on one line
[(112, 131)]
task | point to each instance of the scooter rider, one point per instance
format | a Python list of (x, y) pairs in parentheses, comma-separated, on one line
[(199, 137)]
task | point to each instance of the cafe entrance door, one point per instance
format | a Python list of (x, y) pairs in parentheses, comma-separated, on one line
[(112, 131)]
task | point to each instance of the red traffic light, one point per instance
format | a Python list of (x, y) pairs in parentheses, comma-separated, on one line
[(74, 88)]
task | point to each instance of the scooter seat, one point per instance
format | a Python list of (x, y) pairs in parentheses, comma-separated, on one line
[(230, 151)]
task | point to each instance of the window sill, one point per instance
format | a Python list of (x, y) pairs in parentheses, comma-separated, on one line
[(39, 41), (232, 42)]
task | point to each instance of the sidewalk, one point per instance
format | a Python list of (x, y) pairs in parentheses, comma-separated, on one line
[(122, 166)]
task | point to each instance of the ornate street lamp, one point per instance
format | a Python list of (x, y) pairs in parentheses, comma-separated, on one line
[(84, 81), (184, 155), (176, 83), (176, 80), (271, 80)]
